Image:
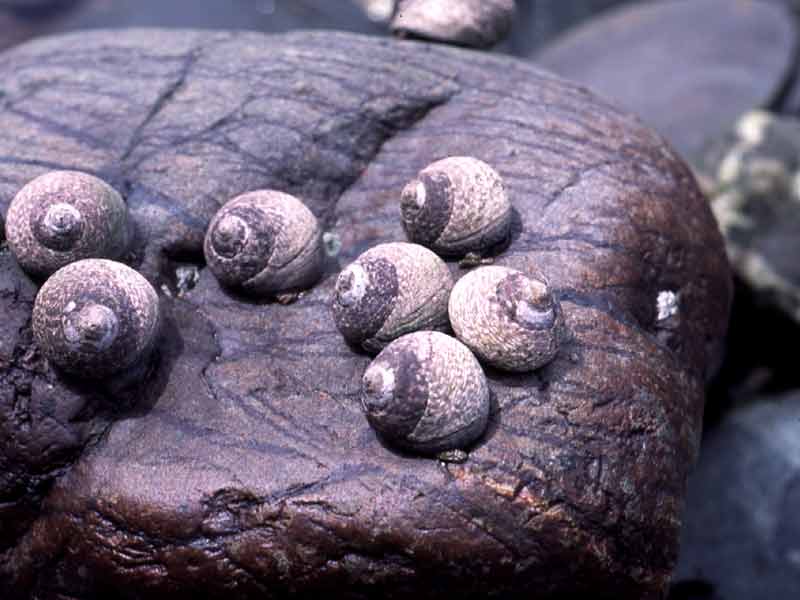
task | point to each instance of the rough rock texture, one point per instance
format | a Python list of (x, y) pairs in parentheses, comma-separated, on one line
[(244, 464), (674, 64), (741, 536), (753, 175)]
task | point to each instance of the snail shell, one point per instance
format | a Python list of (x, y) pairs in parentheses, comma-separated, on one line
[(65, 216), (477, 23), (265, 243), (96, 317), (455, 206), (507, 319), (390, 290), (427, 393)]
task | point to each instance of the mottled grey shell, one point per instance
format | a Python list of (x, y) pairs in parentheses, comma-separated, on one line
[(427, 393), (391, 290), (507, 319), (95, 318), (476, 23), (64, 216), (455, 206), (265, 243)]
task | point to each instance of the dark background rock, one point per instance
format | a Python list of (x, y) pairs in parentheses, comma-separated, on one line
[(689, 68), (18, 22), (741, 536), (244, 464)]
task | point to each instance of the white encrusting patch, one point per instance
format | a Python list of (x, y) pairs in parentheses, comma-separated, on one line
[(666, 305), (352, 284), (379, 383)]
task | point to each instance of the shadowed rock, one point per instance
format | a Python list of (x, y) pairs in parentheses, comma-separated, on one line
[(742, 531), (243, 463)]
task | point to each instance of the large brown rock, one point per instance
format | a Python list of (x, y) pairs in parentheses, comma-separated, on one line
[(243, 465)]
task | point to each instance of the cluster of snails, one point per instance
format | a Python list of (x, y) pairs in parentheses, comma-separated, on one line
[(93, 316), (425, 391)]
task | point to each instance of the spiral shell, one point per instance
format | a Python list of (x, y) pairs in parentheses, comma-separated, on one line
[(507, 319), (456, 206), (95, 318), (265, 243), (426, 392), (390, 290), (65, 216)]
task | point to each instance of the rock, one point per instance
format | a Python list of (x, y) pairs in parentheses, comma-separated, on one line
[(674, 65), (243, 462), (539, 21), (754, 173), (24, 19), (741, 535), (476, 23), (21, 20)]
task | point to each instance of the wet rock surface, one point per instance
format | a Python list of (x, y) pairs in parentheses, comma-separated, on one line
[(741, 536), (674, 63), (243, 463)]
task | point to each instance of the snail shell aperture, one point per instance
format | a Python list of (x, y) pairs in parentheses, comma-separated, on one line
[(456, 206), (390, 290), (265, 243), (427, 393), (507, 319), (65, 216), (96, 317)]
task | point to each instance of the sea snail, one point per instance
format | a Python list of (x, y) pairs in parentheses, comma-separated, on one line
[(507, 319), (95, 318), (456, 206), (477, 23), (265, 243), (64, 216), (390, 290), (427, 393)]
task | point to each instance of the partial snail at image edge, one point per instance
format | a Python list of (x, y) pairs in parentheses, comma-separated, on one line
[(425, 392)]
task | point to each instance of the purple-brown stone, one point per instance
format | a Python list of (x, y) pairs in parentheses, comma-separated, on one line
[(245, 464)]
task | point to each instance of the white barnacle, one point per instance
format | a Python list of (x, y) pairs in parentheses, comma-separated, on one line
[(667, 305)]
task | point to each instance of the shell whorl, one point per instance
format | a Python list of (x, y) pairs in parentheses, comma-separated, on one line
[(65, 216), (455, 206), (426, 392), (264, 243), (96, 317), (508, 319), (390, 290)]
